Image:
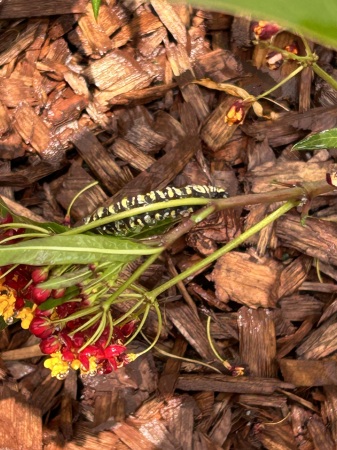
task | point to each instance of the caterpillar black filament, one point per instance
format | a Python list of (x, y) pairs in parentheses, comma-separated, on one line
[(136, 224)]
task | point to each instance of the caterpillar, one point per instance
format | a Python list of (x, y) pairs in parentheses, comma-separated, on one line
[(147, 221)]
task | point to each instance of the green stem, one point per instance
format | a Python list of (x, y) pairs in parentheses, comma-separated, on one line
[(180, 358), (324, 75), (305, 60), (308, 50), (227, 248), (134, 277), (160, 324), (79, 194), (22, 236), (96, 335), (128, 312), (26, 226), (285, 80), (87, 324), (210, 341), (111, 328), (78, 314), (140, 326)]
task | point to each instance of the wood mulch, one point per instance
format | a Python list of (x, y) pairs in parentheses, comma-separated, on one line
[(112, 101)]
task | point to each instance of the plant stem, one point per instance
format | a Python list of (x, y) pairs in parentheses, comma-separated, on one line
[(26, 226), (128, 312), (285, 80), (140, 326), (308, 50), (136, 274), (323, 74), (94, 183), (96, 335), (227, 248), (180, 358), (22, 236), (160, 324), (306, 189), (209, 337)]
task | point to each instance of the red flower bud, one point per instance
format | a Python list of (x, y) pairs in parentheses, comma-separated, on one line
[(50, 345), (7, 219), (128, 328), (265, 30), (58, 293), (40, 275), (41, 327), (40, 295)]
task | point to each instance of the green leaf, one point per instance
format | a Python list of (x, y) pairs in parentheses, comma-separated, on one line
[(67, 279), (3, 324), (95, 6), (78, 249), (324, 139), (314, 19), (50, 226)]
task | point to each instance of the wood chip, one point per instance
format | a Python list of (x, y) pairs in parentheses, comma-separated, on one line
[(309, 373), (33, 130), (16, 411), (103, 166), (223, 383), (316, 239), (257, 339), (235, 274), (171, 20), (20, 8)]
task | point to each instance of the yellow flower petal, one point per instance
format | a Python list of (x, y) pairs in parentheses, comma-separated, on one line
[(59, 368), (7, 302), (26, 315)]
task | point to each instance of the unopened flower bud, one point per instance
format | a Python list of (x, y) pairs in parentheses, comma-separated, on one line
[(40, 275), (58, 293), (40, 295), (50, 345), (7, 219), (41, 327)]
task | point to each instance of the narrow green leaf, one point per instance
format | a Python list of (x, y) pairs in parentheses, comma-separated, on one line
[(314, 19), (324, 139), (95, 6), (50, 226), (67, 279), (78, 249)]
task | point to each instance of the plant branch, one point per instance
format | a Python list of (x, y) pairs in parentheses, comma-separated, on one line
[(225, 249), (324, 75)]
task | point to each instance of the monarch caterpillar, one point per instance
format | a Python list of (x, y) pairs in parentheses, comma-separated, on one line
[(149, 220)]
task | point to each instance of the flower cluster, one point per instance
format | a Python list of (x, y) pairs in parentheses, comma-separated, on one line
[(70, 328)]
